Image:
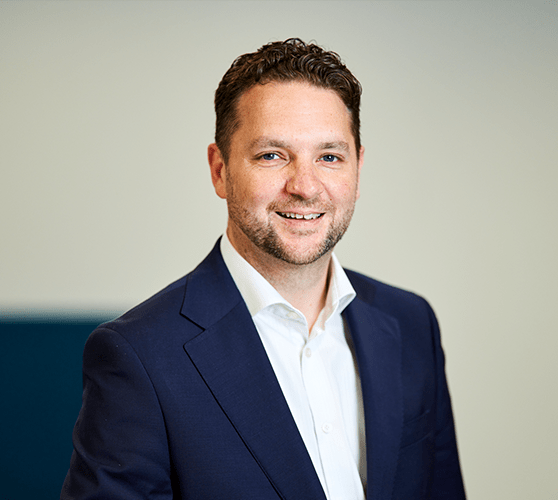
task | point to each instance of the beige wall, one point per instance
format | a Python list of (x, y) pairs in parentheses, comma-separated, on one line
[(105, 196)]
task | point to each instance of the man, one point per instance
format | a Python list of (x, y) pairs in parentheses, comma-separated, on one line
[(270, 372)]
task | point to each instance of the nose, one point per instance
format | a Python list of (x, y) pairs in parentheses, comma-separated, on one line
[(303, 181)]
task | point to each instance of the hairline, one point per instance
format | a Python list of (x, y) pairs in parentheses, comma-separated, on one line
[(235, 122)]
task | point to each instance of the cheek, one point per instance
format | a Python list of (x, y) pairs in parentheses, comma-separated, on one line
[(343, 192), (246, 196), (258, 190)]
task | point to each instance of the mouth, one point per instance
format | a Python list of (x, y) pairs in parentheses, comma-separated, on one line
[(292, 215)]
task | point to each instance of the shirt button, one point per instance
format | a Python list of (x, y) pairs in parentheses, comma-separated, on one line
[(327, 428), (308, 352), (292, 315)]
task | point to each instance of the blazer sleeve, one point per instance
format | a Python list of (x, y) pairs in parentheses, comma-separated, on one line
[(447, 482), (120, 445)]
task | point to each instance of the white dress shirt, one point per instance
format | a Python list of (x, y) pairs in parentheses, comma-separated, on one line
[(317, 373)]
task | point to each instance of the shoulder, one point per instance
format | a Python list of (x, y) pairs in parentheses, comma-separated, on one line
[(378, 293), (178, 312), (159, 306), (151, 323), (396, 302)]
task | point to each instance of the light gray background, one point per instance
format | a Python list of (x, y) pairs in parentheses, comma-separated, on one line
[(105, 194)]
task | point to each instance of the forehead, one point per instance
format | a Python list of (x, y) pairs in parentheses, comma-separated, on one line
[(294, 109)]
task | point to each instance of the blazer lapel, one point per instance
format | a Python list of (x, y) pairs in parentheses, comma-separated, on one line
[(377, 342), (230, 357)]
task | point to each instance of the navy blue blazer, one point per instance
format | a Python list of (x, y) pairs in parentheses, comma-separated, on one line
[(180, 401)]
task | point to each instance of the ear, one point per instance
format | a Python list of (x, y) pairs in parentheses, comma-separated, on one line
[(359, 168), (218, 170)]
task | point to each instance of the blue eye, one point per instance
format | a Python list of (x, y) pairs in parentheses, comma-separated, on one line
[(329, 158), (270, 156)]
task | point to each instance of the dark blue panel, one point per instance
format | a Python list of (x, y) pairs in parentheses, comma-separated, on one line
[(40, 387)]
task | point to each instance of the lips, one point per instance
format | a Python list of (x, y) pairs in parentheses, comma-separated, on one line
[(293, 215)]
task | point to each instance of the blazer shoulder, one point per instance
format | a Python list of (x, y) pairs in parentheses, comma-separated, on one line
[(182, 309), (155, 314), (387, 298)]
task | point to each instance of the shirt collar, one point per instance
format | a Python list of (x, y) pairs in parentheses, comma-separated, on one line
[(258, 293)]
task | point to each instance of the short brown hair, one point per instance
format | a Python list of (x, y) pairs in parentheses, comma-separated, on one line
[(291, 60)]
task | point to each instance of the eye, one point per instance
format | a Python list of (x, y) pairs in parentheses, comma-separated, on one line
[(270, 156), (330, 158)]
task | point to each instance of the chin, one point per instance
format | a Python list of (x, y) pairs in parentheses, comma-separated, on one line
[(298, 254)]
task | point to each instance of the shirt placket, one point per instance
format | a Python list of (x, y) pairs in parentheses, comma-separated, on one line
[(343, 481)]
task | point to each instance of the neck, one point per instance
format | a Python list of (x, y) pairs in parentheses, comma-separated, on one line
[(303, 286)]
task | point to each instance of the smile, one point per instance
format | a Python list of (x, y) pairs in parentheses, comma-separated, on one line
[(291, 215)]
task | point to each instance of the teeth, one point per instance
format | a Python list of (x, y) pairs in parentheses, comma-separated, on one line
[(290, 215)]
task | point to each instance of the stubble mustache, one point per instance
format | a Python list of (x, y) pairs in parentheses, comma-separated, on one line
[(297, 203)]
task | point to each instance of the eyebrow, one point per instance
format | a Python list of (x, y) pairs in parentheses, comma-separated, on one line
[(342, 145), (268, 142)]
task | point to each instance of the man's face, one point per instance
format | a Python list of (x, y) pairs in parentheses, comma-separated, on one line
[(291, 181)]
